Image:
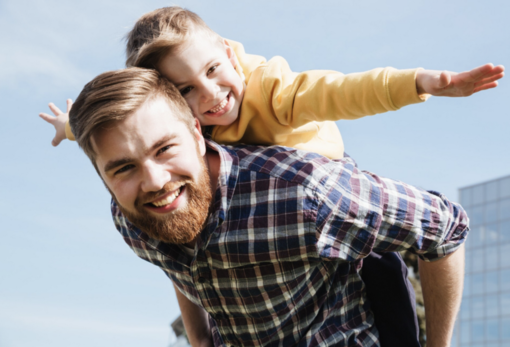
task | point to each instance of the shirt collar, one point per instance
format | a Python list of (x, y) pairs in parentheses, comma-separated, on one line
[(227, 181)]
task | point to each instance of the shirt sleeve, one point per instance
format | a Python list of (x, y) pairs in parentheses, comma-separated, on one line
[(69, 132), (320, 95), (360, 212)]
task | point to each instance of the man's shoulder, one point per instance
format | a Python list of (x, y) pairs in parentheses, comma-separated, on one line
[(289, 164)]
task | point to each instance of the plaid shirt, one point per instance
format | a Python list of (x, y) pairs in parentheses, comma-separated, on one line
[(278, 261)]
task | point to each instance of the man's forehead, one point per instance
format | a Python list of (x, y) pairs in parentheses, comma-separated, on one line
[(152, 123)]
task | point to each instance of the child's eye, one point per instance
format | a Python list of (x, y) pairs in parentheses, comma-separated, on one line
[(124, 169), (212, 69), (186, 90)]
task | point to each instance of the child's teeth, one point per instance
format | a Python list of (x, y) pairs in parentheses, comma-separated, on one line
[(220, 106)]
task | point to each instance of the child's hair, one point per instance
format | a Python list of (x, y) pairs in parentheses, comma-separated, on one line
[(159, 32)]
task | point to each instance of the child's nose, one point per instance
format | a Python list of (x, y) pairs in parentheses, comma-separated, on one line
[(209, 91)]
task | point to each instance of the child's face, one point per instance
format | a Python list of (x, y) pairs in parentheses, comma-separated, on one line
[(203, 71)]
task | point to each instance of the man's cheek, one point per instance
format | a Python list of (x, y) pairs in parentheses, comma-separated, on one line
[(122, 195)]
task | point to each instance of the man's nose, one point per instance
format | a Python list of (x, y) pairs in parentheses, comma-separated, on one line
[(154, 177)]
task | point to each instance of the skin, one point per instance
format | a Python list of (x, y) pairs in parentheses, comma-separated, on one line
[(442, 283), (195, 321), (453, 84), (203, 70)]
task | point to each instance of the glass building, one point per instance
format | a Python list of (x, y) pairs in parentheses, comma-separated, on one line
[(484, 317)]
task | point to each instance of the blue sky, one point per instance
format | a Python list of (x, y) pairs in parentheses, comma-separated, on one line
[(67, 279)]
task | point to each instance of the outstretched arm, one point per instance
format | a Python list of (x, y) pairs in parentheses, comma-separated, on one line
[(447, 83), (442, 283), (195, 320), (59, 121)]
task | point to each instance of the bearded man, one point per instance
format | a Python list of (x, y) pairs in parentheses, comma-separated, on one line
[(264, 245)]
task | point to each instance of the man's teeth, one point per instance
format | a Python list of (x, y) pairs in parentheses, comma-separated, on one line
[(168, 200), (219, 107)]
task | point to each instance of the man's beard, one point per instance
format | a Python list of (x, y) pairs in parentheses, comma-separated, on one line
[(182, 225)]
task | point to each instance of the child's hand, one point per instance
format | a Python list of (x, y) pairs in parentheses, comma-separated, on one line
[(447, 83), (59, 122)]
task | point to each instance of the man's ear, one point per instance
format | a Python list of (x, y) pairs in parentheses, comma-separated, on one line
[(197, 132), (230, 53)]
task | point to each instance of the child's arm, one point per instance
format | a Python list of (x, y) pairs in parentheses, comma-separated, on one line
[(59, 121), (299, 98), (447, 83)]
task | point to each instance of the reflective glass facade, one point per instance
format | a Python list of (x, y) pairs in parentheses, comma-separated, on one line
[(484, 317)]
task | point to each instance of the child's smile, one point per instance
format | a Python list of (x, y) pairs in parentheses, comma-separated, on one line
[(223, 107), (203, 71)]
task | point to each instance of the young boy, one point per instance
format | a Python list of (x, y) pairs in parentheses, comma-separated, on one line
[(247, 99)]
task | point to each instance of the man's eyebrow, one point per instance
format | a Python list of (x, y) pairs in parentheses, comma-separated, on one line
[(161, 141), (112, 164)]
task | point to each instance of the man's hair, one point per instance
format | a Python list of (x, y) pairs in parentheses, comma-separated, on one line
[(160, 32), (115, 95)]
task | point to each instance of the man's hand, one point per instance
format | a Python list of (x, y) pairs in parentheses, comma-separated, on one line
[(447, 83), (59, 121)]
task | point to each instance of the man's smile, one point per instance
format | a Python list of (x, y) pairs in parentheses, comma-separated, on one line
[(167, 201)]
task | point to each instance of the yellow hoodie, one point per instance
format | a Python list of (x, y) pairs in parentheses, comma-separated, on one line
[(298, 110), (281, 107)]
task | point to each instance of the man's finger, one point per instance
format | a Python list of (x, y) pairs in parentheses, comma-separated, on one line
[(48, 118), (54, 109)]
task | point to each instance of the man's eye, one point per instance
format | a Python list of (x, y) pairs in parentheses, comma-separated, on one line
[(186, 90), (124, 169), (212, 69), (164, 149)]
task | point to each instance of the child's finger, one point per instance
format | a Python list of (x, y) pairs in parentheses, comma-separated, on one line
[(486, 86), (490, 79), (498, 69), (444, 79), (69, 105), (56, 111), (56, 141), (480, 71), (48, 118)]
